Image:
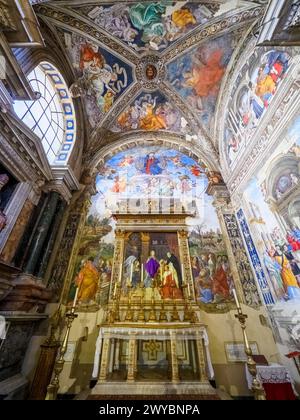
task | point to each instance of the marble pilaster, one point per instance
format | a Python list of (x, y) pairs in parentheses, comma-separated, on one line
[(41, 233)]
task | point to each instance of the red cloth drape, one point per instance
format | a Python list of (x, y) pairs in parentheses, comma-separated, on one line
[(281, 391)]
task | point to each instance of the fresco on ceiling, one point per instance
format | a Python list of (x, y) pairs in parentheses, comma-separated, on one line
[(151, 111), (150, 25), (273, 209), (102, 76), (197, 75), (256, 87)]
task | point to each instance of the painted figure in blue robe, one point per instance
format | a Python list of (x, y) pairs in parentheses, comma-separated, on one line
[(151, 165), (296, 234), (151, 268), (206, 295)]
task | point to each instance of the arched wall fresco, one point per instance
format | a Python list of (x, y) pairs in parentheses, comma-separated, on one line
[(162, 176)]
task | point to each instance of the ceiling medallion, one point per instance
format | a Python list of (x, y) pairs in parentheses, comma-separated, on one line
[(150, 72)]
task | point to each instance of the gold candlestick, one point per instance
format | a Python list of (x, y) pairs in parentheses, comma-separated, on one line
[(257, 388), (53, 387)]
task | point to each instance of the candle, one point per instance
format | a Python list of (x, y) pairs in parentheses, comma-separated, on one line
[(189, 290), (142, 274), (75, 298), (183, 276), (115, 290), (236, 299)]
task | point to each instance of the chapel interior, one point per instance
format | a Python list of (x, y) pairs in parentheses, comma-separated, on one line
[(149, 199)]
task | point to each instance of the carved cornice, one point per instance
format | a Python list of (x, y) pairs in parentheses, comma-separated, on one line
[(64, 182), (20, 24), (27, 146)]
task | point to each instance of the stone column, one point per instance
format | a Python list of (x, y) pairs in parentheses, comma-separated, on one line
[(174, 360), (51, 240), (117, 355), (41, 232), (131, 359), (201, 359), (104, 359)]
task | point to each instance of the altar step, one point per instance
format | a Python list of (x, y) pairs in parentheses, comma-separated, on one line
[(153, 390), (153, 397)]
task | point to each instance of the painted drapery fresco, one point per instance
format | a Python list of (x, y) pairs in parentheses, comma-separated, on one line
[(151, 111), (101, 75), (153, 270), (197, 75), (273, 212), (254, 90), (147, 25)]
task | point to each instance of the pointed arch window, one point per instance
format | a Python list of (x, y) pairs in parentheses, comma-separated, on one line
[(51, 116)]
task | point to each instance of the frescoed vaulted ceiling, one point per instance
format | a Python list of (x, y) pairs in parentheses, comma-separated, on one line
[(152, 66)]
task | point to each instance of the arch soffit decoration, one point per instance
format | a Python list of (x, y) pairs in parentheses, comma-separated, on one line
[(58, 17)]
